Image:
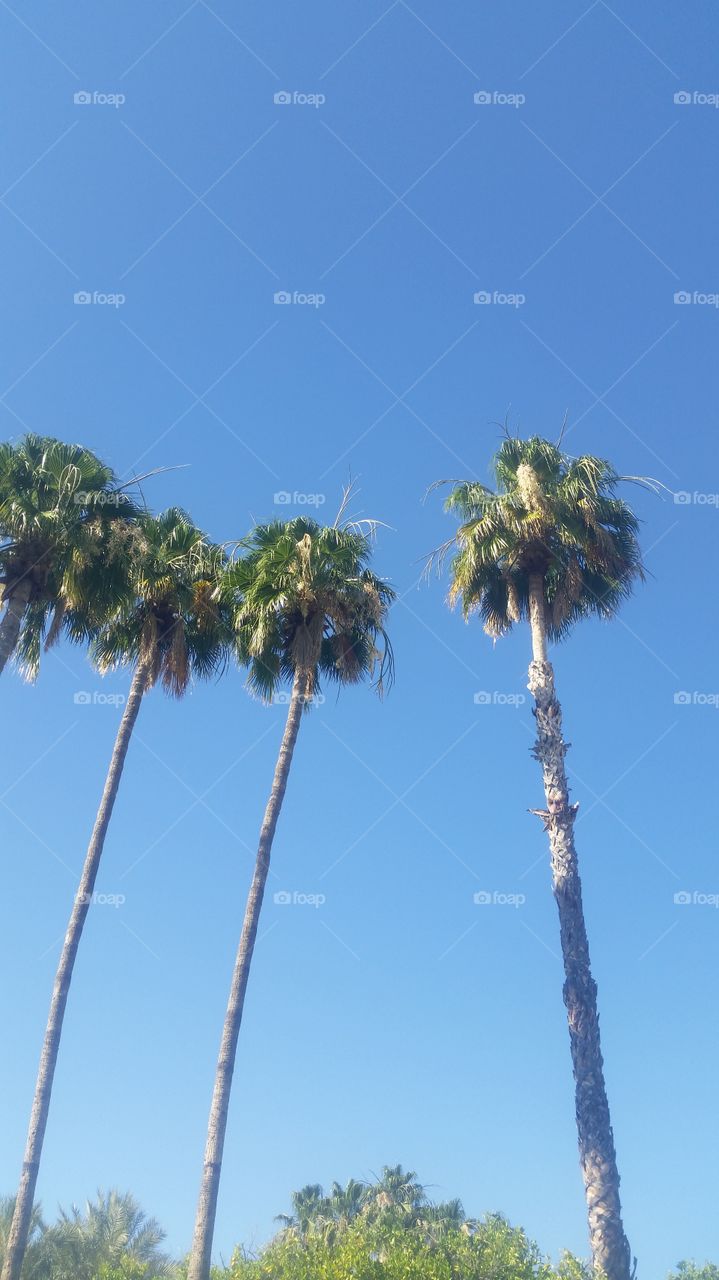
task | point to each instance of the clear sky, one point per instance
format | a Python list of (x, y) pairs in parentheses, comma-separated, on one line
[(398, 1020)]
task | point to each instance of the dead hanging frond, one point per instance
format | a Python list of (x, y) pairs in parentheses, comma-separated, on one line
[(493, 628), (648, 482), (149, 649), (373, 603), (435, 560), (365, 525), (348, 493), (437, 484), (307, 642), (513, 609), (203, 603), (504, 427), (58, 617), (175, 664), (136, 481)]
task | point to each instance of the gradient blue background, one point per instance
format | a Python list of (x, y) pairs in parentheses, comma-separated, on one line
[(398, 1021)]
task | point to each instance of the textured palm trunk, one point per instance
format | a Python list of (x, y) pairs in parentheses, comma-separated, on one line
[(200, 1256), (12, 620), (18, 1237), (610, 1248)]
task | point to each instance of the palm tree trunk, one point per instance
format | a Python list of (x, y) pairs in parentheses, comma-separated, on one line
[(17, 1239), (12, 620), (610, 1248), (200, 1256)]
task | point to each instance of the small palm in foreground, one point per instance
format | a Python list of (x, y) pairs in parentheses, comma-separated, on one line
[(111, 1237), (35, 1263), (552, 545), (171, 628), (307, 606), (396, 1201), (58, 507)]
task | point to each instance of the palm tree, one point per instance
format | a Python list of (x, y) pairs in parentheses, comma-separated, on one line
[(308, 1205), (395, 1200), (308, 606), (554, 544), (171, 627), (399, 1196), (112, 1232), (398, 1189), (58, 504)]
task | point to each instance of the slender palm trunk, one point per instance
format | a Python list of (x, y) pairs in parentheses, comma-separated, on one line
[(610, 1248), (18, 1237), (12, 619), (199, 1268)]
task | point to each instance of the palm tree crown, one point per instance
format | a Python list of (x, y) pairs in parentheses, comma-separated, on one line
[(396, 1198), (170, 617), (551, 515), (58, 507), (305, 600)]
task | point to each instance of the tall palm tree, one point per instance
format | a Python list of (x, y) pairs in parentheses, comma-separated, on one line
[(555, 544), (58, 503), (308, 606), (171, 627)]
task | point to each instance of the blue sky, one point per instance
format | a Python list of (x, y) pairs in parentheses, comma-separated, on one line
[(398, 1020)]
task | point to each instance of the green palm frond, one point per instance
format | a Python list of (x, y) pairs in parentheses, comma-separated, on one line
[(551, 515)]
